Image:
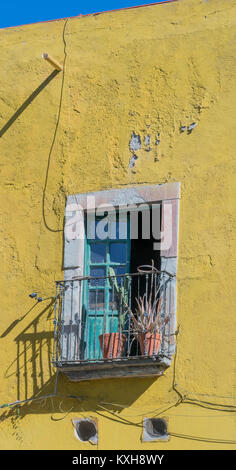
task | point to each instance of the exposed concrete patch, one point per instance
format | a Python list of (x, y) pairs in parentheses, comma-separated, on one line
[(147, 141), (157, 142), (189, 128), (135, 142), (134, 145), (132, 161)]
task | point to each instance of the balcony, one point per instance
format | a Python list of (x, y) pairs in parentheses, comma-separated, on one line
[(114, 326)]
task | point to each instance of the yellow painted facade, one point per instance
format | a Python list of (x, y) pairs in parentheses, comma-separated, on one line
[(148, 70)]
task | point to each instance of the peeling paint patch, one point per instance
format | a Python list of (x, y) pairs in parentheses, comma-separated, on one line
[(157, 141), (132, 161), (191, 127), (147, 142), (135, 142)]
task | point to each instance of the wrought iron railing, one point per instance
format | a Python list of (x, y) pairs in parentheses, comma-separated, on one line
[(113, 318)]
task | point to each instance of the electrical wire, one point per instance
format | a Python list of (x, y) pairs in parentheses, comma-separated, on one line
[(182, 399), (177, 435), (192, 401), (54, 135), (202, 439), (27, 400)]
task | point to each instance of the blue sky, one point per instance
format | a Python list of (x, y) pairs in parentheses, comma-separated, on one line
[(17, 12)]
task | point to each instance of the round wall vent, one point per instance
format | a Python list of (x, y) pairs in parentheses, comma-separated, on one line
[(154, 429), (86, 430)]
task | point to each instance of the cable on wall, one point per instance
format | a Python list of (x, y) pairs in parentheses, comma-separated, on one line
[(54, 135)]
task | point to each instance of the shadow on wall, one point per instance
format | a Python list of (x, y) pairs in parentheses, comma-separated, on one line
[(36, 377), (33, 364), (27, 102), (16, 115)]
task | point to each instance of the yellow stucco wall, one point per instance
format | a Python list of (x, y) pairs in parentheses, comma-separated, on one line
[(147, 70)]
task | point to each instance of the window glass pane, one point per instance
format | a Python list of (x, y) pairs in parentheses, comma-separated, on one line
[(98, 252), (96, 299), (118, 252), (97, 272)]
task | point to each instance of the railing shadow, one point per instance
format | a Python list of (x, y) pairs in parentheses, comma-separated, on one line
[(95, 397), (47, 392), (33, 364)]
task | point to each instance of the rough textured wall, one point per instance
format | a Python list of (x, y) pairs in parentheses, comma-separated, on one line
[(146, 73)]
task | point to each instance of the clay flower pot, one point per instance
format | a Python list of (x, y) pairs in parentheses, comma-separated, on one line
[(149, 343), (112, 344)]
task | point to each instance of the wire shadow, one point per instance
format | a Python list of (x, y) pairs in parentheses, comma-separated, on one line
[(15, 322), (28, 102)]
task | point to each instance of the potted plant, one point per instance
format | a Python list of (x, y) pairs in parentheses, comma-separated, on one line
[(112, 344), (147, 324), (147, 321)]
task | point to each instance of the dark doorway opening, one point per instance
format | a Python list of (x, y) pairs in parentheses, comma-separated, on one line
[(142, 253)]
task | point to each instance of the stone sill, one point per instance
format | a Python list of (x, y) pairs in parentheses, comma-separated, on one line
[(107, 369)]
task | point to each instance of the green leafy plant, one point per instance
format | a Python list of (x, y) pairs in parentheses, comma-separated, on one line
[(122, 294)]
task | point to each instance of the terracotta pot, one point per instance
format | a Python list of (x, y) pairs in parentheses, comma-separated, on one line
[(149, 343), (112, 344)]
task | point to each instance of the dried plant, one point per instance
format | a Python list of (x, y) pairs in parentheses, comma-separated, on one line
[(147, 317)]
